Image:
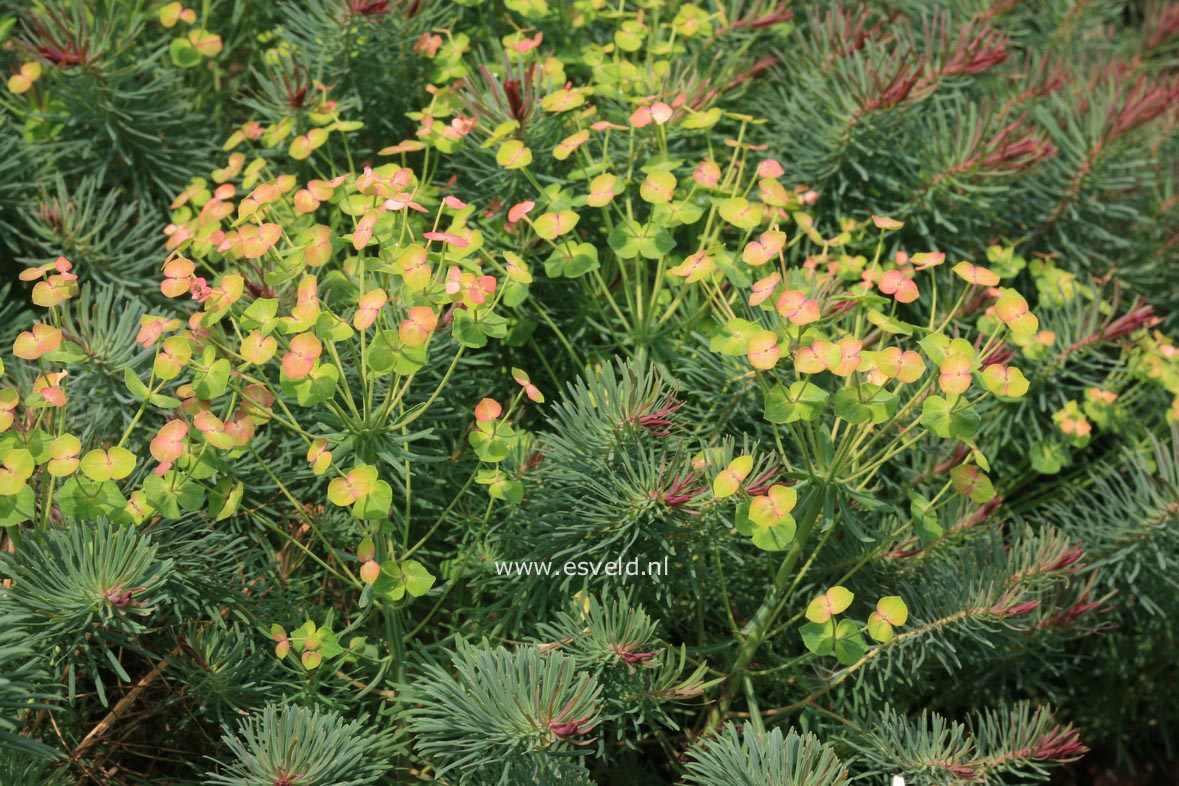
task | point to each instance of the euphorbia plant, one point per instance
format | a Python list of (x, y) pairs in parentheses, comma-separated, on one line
[(321, 301), (856, 367), (589, 187)]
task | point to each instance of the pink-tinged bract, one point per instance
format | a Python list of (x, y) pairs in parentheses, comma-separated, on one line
[(763, 289), (770, 168), (170, 441), (519, 210), (795, 306), (900, 286)]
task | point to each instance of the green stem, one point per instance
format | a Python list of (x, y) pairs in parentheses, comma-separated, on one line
[(355, 582), (445, 378), (755, 631)]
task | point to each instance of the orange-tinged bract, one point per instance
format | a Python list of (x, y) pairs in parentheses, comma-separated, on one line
[(763, 350), (487, 410), (569, 144), (178, 277), (257, 348), (317, 245), (370, 306), (449, 238), (362, 235), (844, 358), (707, 174), (530, 390), (883, 222), (56, 289), (979, 276), (254, 241), (658, 188), (926, 259), (1012, 309), (1101, 396), (891, 612), (416, 328), (225, 294), (513, 154), (551, 226), (770, 168), (9, 398), (954, 377), (48, 387), (969, 481), (41, 340), (415, 267), (306, 310), (305, 351), (369, 571), (812, 359), (695, 268), (903, 365), (765, 248), (172, 356), (1072, 422), (305, 201), (153, 327), (520, 210)]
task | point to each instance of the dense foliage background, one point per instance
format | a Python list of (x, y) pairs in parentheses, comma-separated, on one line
[(316, 311)]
